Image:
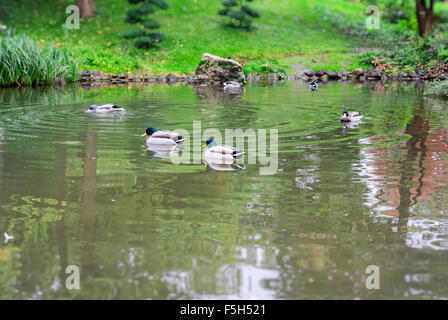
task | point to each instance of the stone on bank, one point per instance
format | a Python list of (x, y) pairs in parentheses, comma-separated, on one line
[(216, 69)]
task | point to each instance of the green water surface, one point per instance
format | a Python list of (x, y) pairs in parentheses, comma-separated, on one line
[(81, 189)]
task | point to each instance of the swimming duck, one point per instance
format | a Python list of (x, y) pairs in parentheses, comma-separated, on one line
[(105, 108), (350, 116), (215, 153), (314, 86), (234, 84), (153, 136)]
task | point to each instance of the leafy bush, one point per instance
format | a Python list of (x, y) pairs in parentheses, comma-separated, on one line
[(240, 17), (411, 55), (145, 39), (23, 62), (442, 53), (368, 57), (408, 54)]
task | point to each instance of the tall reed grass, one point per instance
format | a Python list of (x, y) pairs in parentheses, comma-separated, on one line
[(23, 62)]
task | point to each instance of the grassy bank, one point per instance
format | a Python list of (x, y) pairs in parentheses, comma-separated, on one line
[(289, 32), (289, 36)]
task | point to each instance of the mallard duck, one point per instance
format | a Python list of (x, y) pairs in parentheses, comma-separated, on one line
[(314, 85), (105, 108), (350, 116), (152, 136), (234, 84), (215, 153)]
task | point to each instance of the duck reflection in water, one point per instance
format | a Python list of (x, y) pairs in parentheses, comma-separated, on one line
[(223, 165), (163, 151), (350, 125)]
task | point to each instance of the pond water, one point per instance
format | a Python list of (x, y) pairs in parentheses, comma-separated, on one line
[(81, 189)]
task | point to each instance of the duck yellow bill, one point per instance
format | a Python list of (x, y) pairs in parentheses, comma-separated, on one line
[(144, 135), (203, 146)]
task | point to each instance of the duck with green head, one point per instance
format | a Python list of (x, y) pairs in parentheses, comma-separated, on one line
[(235, 84), (350, 116), (154, 136), (214, 152), (314, 86)]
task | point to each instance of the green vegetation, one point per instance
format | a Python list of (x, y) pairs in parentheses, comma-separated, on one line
[(243, 16), (410, 52), (23, 62), (287, 37), (287, 32), (410, 55), (437, 89), (146, 39)]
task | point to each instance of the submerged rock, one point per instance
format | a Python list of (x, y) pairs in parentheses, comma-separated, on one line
[(217, 69)]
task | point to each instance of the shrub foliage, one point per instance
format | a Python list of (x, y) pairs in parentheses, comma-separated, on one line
[(144, 34), (239, 13)]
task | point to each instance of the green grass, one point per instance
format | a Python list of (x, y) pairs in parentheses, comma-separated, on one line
[(23, 62), (288, 32)]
